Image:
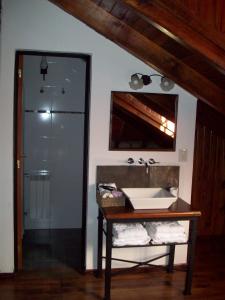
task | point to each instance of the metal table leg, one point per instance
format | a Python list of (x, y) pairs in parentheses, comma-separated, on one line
[(108, 260), (100, 238), (171, 259), (190, 256)]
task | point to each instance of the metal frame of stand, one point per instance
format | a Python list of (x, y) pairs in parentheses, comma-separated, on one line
[(170, 267)]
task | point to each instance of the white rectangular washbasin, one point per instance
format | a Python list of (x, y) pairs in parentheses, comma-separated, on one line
[(149, 198)]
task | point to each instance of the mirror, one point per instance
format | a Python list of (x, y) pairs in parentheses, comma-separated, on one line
[(143, 121)]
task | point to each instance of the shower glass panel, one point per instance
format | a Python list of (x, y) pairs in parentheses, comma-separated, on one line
[(67, 170), (37, 175), (54, 112)]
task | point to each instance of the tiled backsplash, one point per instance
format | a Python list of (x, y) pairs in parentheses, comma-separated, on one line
[(136, 176)]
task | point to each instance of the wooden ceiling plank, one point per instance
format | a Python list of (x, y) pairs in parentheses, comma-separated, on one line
[(119, 10), (178, 30), (146, 50), (107, 4), (142, 26), (198, 62), (180, 51), (175, 48), (97, 1), (200, 15), (150, 31)]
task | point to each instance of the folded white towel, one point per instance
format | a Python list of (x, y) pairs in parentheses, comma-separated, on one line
[(169, 239), (106, 195), (129, 230), (165, 235), (166, 226), (166, 232), (129, 242)]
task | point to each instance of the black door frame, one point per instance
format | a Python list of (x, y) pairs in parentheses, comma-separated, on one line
[(87, 58)]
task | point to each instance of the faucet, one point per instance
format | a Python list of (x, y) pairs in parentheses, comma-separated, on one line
[(141, 161)]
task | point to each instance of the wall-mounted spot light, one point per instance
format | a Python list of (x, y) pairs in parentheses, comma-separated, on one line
[(44, 66), (138, 80), (166, 84)]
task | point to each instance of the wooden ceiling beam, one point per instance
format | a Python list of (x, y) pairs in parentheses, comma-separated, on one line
[(178, 30), (144, 49)]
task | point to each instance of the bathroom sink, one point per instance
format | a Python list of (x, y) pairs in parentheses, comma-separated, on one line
[(149, 198)]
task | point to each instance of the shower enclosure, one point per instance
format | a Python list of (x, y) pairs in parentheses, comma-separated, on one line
[(54, 159)]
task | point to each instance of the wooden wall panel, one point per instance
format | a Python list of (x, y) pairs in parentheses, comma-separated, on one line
[(208, 189), (221, 19)]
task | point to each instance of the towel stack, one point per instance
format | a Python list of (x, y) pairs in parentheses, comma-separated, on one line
[(129, 234), (166, 232)]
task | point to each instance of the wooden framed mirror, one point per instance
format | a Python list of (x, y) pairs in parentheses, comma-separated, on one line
[(143, 121)]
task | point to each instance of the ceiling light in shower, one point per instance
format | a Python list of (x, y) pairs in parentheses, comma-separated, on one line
[(45, 115), (44, 66)]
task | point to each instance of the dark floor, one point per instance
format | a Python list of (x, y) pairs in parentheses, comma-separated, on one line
[(51, 248), (63, 283)]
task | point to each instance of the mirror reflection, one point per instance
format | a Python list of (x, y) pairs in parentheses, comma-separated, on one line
[(143, 121)]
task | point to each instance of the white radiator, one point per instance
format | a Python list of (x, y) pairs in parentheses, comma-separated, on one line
[(38, 202)]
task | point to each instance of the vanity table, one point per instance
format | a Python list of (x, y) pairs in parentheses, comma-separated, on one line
[(180, 210)]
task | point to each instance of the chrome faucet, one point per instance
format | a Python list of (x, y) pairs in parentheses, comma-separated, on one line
[(141, 161)]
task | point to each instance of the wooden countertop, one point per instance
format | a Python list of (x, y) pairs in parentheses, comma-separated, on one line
[(179, 209)]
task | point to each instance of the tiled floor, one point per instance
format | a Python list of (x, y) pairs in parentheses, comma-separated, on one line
[(52, 248)]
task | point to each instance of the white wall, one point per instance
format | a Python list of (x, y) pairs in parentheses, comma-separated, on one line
[(39, 25)]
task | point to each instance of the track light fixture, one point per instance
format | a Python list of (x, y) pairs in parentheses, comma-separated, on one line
[(138, 80)]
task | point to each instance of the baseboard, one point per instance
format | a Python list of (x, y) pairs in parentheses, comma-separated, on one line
[(7, 275)]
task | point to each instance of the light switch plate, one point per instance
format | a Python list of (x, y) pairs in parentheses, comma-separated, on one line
[(183, 155)]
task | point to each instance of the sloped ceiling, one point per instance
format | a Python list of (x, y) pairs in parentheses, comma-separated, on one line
[(183, 40)]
